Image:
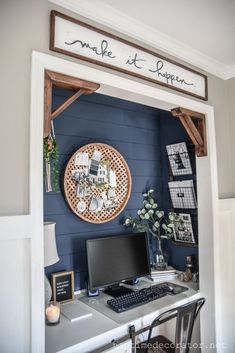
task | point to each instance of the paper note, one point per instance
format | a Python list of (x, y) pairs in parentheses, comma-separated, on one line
[(75, 311)]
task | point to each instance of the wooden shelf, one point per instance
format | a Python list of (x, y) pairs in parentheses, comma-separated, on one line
[(55, 79), (188, 245), (195, 125)]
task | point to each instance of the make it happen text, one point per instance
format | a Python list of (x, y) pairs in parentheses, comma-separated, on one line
[(158, 68)]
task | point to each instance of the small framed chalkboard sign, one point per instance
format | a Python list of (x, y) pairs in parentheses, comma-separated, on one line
[(63, 286)]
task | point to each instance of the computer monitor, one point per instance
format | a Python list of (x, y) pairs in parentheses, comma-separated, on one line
[(115, 259)]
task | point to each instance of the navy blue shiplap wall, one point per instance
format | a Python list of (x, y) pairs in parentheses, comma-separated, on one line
[(140, 134), (132, 129), (172, 131)]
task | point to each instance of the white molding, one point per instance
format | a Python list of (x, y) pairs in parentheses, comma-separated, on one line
[(227, 205), (36, 206), (106, 15), (113, 84), (178, 77)]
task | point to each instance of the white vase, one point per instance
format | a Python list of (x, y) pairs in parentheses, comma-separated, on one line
[(48, 290)]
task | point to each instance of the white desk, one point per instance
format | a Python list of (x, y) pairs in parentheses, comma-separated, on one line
[(105, 325)]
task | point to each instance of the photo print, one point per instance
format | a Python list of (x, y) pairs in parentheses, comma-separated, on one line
[(183, 230), (179, 159)]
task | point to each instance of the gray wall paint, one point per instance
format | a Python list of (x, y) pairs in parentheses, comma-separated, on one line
[(25, 27), (231, 97)]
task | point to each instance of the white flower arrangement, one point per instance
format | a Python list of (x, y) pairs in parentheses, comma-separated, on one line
[(151, 219)]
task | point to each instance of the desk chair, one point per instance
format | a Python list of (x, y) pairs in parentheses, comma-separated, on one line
[(185, 317)]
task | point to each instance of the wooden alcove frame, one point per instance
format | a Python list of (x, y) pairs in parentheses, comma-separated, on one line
[(55, 79), (31, 224), (195, 125)]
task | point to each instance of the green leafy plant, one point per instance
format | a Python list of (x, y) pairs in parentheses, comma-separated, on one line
[(152, 219), (51, 157)]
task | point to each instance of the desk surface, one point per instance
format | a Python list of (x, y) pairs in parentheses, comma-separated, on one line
[(105, 325)]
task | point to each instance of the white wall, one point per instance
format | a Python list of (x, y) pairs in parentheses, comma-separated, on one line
[(15, 298), (231, 104)]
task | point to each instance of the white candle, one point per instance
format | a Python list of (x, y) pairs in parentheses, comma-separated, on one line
[(53, 313)]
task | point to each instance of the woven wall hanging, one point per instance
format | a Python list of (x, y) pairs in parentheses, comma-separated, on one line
[(97, 183)]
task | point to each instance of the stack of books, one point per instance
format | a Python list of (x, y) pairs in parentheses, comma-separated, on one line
[(164, 275)]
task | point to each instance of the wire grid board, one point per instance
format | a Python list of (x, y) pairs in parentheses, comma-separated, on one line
[(179, 159), (122, 189), (182, 194)]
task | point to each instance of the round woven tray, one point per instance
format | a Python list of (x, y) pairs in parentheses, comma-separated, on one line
[(122, 190)]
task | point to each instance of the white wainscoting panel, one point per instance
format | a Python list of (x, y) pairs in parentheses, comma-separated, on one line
[(224, 274), (15, 296)]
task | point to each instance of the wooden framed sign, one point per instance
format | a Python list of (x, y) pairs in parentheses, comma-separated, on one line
[(77, 39), (62, 286)]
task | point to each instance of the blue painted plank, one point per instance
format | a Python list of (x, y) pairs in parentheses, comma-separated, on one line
[(138, 151), (73, 243), (79, 261), (177, 256), (72, 224), (108, 101), (55, 204), (103, 130), (139, 184), (80, 280), (92, 112), (137, 168)]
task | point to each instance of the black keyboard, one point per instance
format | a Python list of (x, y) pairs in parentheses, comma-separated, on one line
[(139, 297)]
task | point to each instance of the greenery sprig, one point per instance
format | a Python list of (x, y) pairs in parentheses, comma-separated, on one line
[(152, 219), (51, 156)]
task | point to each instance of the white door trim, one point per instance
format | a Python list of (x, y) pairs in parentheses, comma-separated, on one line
[(127, 88)]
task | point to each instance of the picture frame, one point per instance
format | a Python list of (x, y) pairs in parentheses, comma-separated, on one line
[(183, 230), (80, 40), (62, 286), (179, 159), (182, 194)]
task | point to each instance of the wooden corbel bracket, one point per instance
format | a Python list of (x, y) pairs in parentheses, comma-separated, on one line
[(55, 79), (195, 125)]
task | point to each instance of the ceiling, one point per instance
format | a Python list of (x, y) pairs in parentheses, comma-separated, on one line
[(201, 32), (206, 25)]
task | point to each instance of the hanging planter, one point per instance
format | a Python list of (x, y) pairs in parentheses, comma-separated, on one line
[(51, 158)]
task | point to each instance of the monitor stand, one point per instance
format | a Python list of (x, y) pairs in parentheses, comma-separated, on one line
[(117, 290)]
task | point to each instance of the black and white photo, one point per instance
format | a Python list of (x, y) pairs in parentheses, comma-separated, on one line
[(183, 230), (179, 159)]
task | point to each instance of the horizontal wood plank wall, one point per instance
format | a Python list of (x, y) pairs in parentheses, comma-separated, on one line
[(132, 129)]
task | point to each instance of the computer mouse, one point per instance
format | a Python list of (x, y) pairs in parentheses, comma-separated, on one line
[(170, 288), (177, 290)]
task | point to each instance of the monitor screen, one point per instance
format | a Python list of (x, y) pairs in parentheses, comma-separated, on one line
[(112, 260)]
